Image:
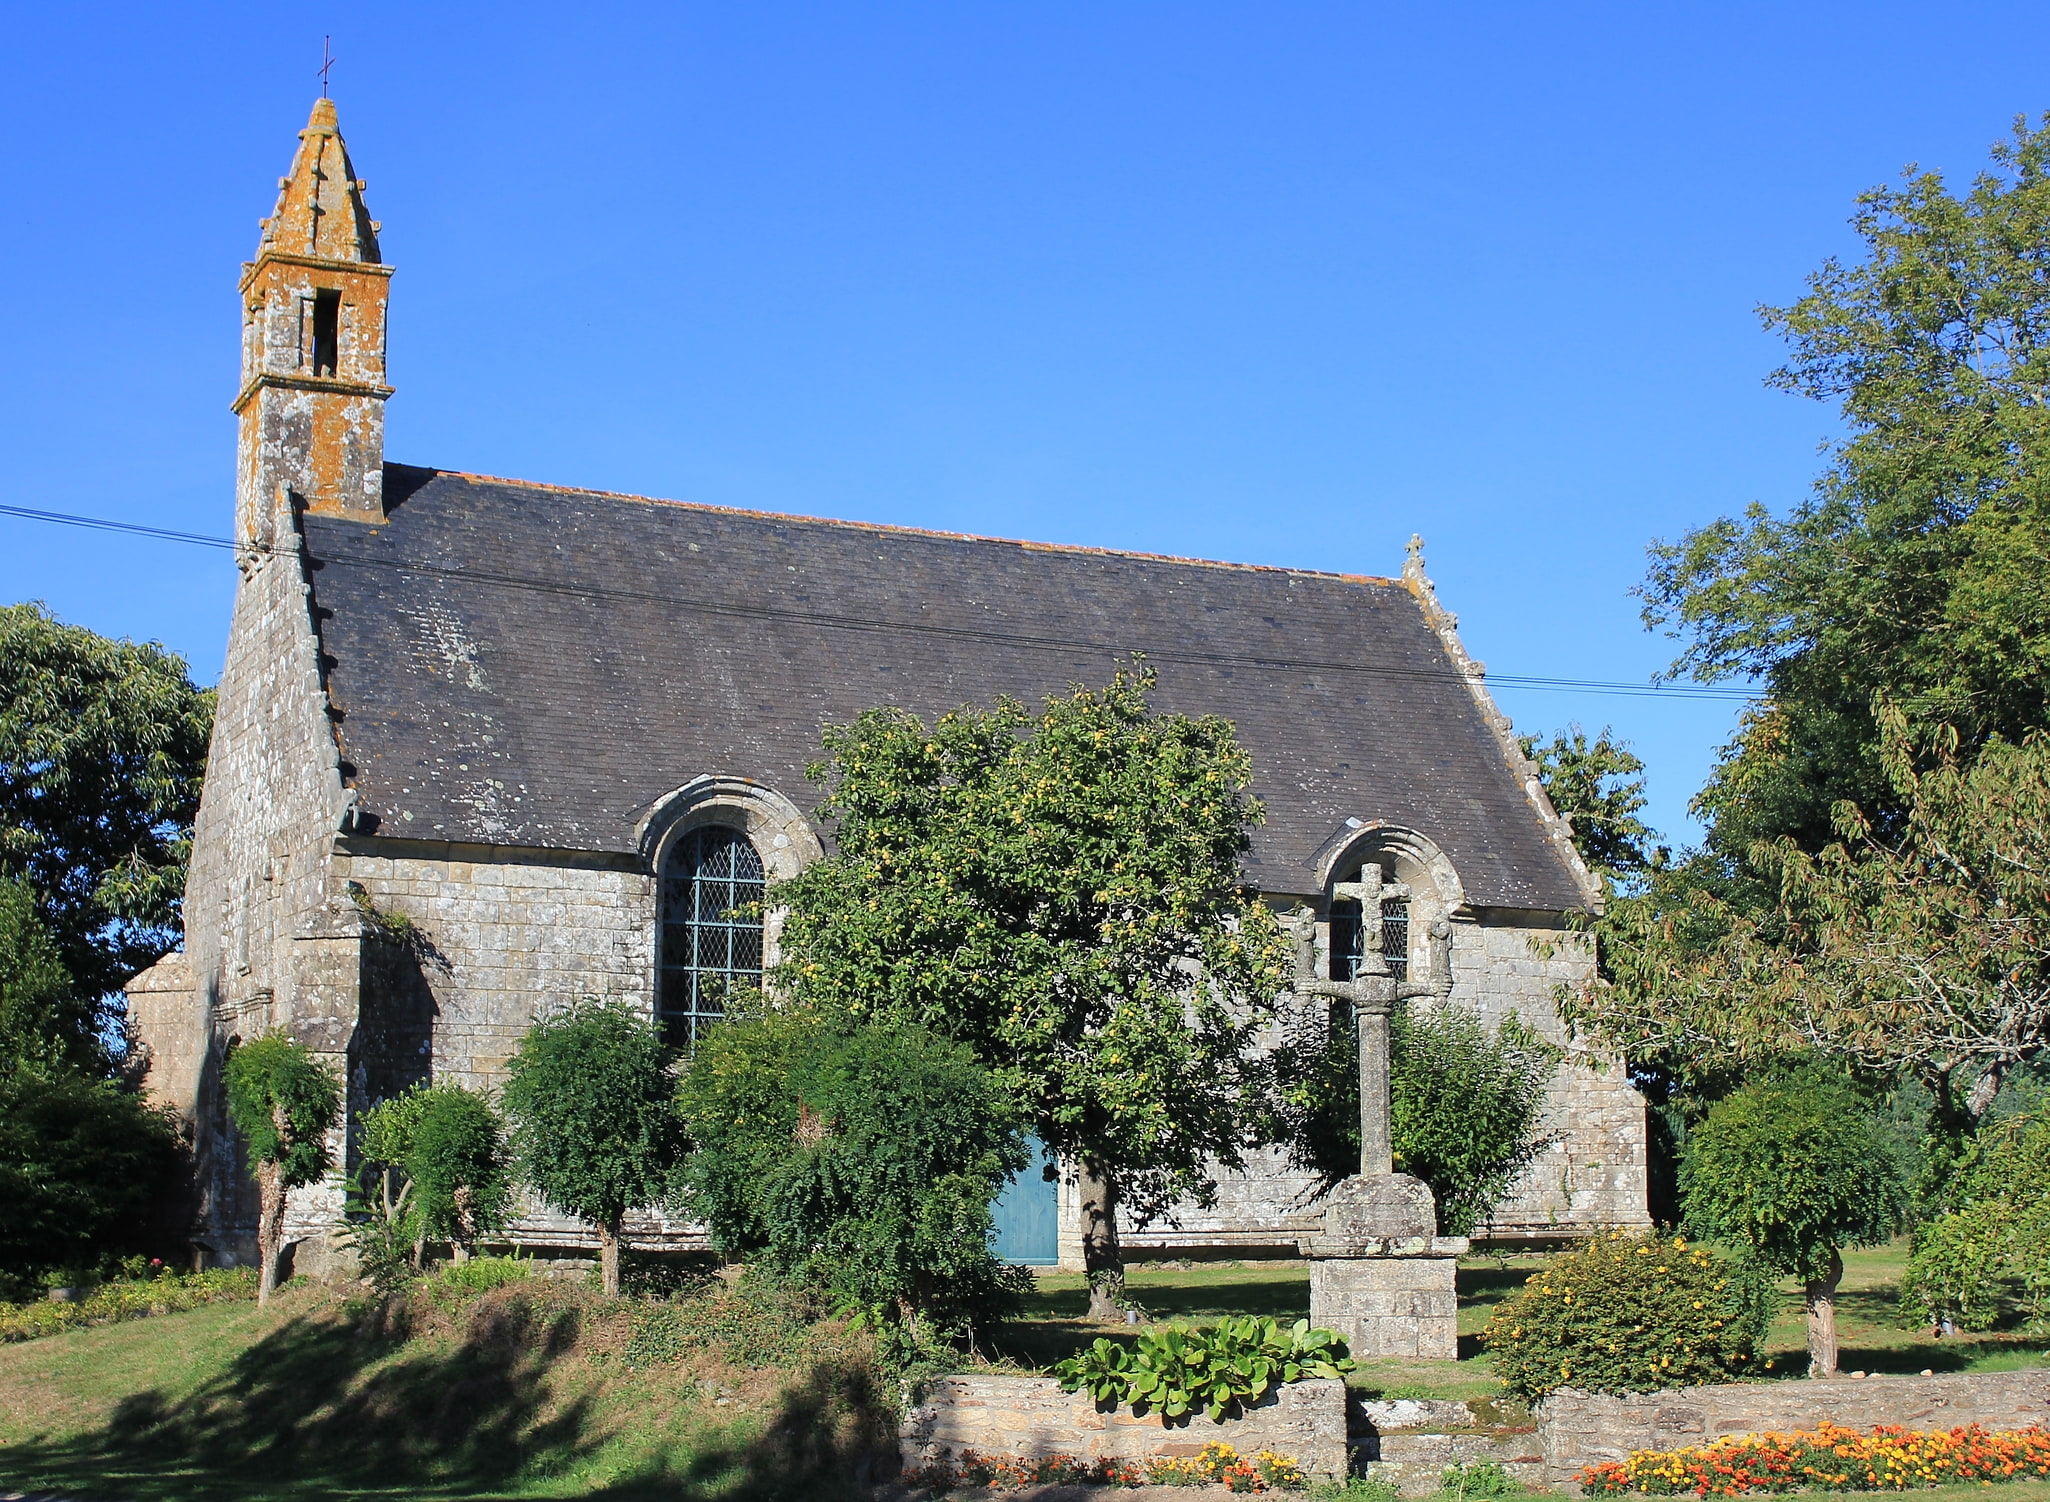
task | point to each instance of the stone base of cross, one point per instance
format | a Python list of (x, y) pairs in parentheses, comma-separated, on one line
[(1379, 1272)]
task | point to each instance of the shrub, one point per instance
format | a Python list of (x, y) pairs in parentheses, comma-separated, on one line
[(450, 1144), (1794, 1170), (1625, 1314), (862, 1162), (163, 1292), (594, 1120), (1223, 1368), (1829, 1458), (2001, 1230), (85, 1170), (1464, 1103), (283, 1101)]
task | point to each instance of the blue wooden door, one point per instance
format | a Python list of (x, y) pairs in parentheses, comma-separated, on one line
[(1026, 1215)]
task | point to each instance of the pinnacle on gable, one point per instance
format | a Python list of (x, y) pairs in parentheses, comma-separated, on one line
[(321, 212)]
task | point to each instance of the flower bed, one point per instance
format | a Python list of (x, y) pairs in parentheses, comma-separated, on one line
[(1218, 1464), (1828, 1458), (135, 1298)]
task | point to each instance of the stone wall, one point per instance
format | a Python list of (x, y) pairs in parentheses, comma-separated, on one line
[(1581, 1429), (267, 946), (1030, 1417)]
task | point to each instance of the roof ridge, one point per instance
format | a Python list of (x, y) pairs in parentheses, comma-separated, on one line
[(830, 521)]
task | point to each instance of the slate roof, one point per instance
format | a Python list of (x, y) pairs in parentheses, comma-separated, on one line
[(524, 665)]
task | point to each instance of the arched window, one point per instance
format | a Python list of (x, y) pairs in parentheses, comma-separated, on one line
[(1348, 932), (711, 927)]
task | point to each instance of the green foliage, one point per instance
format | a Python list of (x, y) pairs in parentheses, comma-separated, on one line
[(86, 1169), (1219, 1369), (1598, 786), (283, 1101), (1624, 1314), (1921, 953), (42, 1021), (1465, 1104), (137, 1297), (1477, 1478), (2000, 1231), (1916, 568), (861, 1161), (595, 1126), (1042, 887), (1794, 1170), (379, 1229), (449, 1142), (102, 747)]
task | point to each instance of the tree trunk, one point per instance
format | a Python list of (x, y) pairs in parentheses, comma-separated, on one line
[(1821, 1302), (608, 1257), (270, 1227), (1103, 1260)]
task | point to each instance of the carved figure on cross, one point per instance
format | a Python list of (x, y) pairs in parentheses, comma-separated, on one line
[(1373, 992)]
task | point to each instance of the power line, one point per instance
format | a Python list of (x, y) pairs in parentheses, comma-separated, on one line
[(837, 622)]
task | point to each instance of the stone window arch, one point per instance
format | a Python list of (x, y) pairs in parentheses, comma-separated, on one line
[(1404, 856), (713, 845), (710, 895)]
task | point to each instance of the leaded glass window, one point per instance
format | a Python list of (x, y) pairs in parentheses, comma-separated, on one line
[(711, 927), (1349, 940)]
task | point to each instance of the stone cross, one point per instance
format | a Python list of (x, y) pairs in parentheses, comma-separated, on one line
[(1373, 992)]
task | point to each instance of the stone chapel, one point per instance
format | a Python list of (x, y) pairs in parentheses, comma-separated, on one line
[(485, 745)]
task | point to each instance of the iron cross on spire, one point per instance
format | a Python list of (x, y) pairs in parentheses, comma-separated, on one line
[(327, 61), (1373, 992)]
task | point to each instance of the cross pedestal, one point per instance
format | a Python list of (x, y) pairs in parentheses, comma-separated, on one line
[(1380, 1274)]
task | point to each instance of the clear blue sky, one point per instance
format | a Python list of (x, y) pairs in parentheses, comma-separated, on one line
[(1279, 283)]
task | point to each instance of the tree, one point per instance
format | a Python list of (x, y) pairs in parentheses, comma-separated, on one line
[(1795, 1169), (41, 1022), (1916, 568), (595, 1124), (102, 747), (450, 1144), (284, 1102), (1598, 786), (1914, 949), (1061, 892), (862, 1160), (85, 1170), (1464, 1104), (2000, 1230)]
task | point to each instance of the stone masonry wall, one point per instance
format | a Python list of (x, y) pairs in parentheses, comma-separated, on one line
[(264, 943), (1583, 1429), (1030, 1417), (1592, 1176)]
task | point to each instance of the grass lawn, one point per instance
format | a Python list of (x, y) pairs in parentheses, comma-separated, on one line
[(1870, 1331), (537, 1392), (516, 1396)]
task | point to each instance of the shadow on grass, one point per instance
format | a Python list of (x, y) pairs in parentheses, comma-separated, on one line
[(334, 1409)]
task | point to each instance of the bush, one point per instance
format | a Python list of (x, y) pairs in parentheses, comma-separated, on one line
[(1627, 1314), (1223, 1368), (450, 1144), (1464, 1103), (164, 1292), (86, 1171), (2001, 1230), (861, 1162)]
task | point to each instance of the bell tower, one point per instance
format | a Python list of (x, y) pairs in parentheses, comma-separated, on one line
[(313, 366)]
